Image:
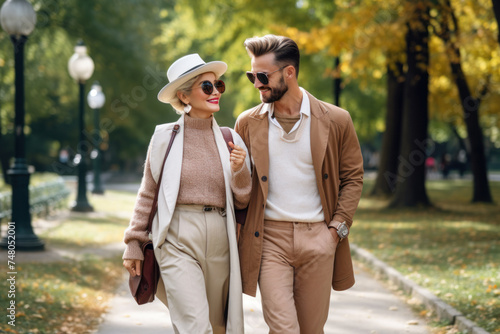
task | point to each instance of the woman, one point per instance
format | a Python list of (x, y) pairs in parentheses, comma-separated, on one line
[(194, 232)]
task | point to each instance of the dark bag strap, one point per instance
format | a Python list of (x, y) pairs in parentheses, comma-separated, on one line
[(154, 207)]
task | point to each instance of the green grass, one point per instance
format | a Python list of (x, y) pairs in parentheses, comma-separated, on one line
[(113, 202), (70, 296), (452, 249), (35, 178), (104, 226), (65, 297)]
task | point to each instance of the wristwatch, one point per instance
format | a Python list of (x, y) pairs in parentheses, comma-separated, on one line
[(342, 230)]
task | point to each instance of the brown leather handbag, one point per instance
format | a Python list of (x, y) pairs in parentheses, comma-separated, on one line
[(143, 287)]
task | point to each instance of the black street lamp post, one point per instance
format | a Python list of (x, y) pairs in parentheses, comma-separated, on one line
[(80, 68), (96, 100), (18, 19)]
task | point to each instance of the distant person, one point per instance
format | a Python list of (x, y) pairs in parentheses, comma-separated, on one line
[(63, 156), (430, 165), (373, 162), (445, 165), (194, 231), (461, 162), (307, 176)]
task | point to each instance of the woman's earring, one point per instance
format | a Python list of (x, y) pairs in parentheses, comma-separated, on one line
[(187, 108)]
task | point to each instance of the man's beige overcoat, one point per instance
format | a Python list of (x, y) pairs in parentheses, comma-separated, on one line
[(338, 166)]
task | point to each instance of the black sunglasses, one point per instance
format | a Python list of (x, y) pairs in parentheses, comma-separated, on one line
[(208, 88), (262, 76)]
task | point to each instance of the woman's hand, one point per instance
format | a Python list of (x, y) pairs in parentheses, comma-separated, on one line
[(237, 157), (133, 267)]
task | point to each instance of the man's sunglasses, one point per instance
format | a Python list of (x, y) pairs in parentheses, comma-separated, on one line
[(262, 76), (208, 88)]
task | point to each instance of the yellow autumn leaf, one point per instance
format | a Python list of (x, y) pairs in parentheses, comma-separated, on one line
[(20, 314)]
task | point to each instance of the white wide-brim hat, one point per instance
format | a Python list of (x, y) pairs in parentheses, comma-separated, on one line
[(184, 69)]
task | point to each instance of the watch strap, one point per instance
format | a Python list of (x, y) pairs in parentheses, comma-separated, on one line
[(335, 225)]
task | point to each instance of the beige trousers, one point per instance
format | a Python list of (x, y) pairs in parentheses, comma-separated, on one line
[(296, 276), (194, 266)]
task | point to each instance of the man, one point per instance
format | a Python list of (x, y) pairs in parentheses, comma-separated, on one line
[(307, 179)]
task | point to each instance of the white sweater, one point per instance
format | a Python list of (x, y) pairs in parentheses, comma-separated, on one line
[(293, 194)]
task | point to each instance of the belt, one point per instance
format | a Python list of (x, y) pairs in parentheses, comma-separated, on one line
[(207, 208), (201, 208)]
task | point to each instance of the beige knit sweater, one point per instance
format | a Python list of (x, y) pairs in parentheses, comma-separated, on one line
[(202, 182)]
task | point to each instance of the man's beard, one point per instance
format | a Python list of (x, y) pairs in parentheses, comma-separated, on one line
[(276, 93)]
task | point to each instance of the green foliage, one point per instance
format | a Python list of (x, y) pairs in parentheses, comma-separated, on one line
[(133, 42), (370, 34), (218, 31), (119, 41)]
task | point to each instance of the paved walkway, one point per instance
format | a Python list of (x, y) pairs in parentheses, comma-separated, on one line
[(368, 308)]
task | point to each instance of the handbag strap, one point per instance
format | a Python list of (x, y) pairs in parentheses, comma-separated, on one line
[(228, 136), (154, 207)]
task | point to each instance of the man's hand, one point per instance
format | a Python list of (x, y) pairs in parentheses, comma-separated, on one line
[(333, 231), (335, 235)]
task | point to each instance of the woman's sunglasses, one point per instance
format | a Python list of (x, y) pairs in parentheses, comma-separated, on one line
[(208, 88), (262, 76)]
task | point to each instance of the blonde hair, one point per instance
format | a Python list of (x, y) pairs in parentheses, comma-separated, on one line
[(185, 88)]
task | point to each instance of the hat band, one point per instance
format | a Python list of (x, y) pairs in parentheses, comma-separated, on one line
[(191, 69)]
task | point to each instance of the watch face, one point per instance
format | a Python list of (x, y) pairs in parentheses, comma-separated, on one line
[(343, 231)]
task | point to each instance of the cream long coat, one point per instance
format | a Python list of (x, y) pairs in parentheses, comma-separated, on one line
[(167, 198)]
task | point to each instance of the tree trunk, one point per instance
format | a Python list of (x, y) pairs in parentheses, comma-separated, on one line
[(410, 184), (470, 105), (385, 183), (496, 10), (337, 81), (461, 142)]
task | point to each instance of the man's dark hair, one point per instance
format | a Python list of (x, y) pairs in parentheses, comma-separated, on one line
[(286, 51)]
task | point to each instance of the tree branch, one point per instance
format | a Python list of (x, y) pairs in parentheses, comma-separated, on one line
[(496, 10), (456, 28), (484, 89)]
